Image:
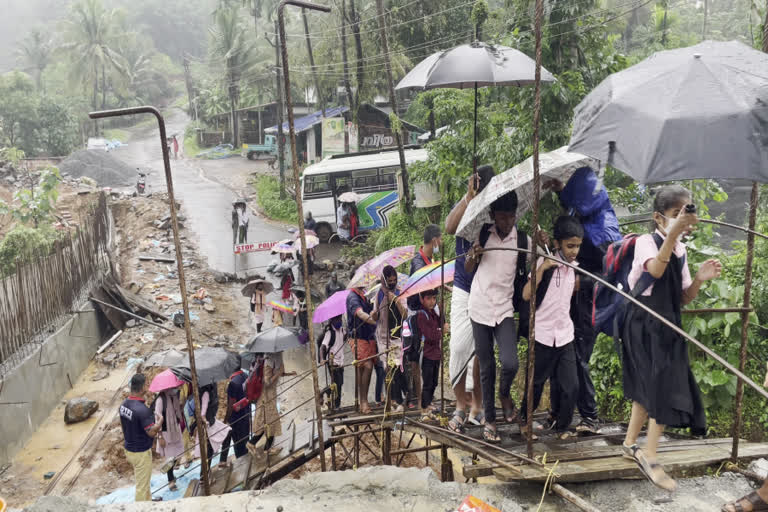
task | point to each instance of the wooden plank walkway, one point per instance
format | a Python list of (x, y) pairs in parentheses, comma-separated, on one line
[(581, 459)]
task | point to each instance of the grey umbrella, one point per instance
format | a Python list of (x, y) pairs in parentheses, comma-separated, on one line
[(166, 358), (213, 365), (474, 65), (276, 339), (697, 112)]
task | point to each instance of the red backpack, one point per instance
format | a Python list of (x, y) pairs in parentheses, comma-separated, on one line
[(252, 387)]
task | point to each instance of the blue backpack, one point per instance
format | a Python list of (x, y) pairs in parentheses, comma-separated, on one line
[(609, 308)]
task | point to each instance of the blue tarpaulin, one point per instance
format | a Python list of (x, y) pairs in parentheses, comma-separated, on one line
[(304, 123)]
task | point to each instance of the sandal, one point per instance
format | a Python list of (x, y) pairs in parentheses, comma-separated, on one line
[(663, 481), (511, 413), (490, 435), (477, 419), (172, 487), (754, 499), (526, 434), (456, 424)]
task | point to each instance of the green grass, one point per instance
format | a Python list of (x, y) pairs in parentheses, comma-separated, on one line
[(117, 133), (191, 148), (268, 196)]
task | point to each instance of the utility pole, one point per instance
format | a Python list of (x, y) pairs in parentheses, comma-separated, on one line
[(347, 85), (399, 135), (190, 91), (279, 87), (706, 12), (318, 96)]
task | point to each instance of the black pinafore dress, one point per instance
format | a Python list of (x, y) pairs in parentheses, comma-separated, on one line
[(656, 370)]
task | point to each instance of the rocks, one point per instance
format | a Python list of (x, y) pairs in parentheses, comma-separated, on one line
[(49, 475), (100, 376), (209, 308), (109, 359), (79, 409), (219, 277), (759, 467)]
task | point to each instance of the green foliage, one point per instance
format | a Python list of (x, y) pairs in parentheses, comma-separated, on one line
[(36, 205), (268, 193), (24, 242)]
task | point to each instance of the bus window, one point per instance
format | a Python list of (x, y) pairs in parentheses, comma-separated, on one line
[(387, 180), (317, 185), (365, 181)]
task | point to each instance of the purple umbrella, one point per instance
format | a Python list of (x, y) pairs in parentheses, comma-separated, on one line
[(333, 306)]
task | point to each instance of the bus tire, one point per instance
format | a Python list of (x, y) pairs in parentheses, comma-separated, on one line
[(324, 232)]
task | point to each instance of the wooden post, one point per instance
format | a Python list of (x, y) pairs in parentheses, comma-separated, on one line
[(357, 446), (300, 211), (736, 431), (399, 135), (386, 447), (446, 466)]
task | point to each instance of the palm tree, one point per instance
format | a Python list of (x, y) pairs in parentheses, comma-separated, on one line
[(90, 38), (35, 54), (230, 43)]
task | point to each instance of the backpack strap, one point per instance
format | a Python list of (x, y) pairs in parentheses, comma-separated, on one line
[(485, 234), (543, 286)]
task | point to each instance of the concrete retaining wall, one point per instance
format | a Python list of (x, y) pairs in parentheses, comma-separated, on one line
[(34, 387)]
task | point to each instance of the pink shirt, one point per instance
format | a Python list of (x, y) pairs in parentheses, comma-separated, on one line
[(554, 327), (646, 250), (490, 297)]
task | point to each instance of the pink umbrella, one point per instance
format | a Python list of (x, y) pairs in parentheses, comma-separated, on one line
[(333, 306), (165, 380), (370, 271)]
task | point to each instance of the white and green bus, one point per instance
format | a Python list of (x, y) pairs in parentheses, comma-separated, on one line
[(371, 174)]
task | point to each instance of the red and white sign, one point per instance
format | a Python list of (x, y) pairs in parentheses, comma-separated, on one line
[(259, 246)]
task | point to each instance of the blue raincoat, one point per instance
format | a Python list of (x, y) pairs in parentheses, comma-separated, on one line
[(601, 226)]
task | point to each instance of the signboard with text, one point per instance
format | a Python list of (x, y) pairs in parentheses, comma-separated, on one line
[(257, 247)]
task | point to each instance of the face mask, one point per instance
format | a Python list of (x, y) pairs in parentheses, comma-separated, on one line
[(435, 249)]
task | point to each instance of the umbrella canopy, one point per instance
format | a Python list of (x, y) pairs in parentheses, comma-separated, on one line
[(349, 197), (427, 278), (696, 112), (558, 164), (333, 306), (276, 339), (280, 306), (474, 65), (167, 358), (213, 365), (284, 247), (165, 380), (312, 239), (248, 289), (370, 271)]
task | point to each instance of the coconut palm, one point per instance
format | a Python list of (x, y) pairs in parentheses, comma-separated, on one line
[(91, 34), (34, 52), (231, 43)]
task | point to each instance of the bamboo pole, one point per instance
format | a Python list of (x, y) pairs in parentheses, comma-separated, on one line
[(736, 430), (539, 11), (300, 210)]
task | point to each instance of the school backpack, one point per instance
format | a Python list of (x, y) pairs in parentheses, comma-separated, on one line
[(321, 337), (609, 307), (523, 307), (412, 338), (255, 383)]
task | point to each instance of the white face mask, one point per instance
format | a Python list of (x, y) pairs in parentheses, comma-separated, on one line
[(435, 249)]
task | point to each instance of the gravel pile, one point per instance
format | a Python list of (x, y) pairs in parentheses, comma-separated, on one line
[(100, 166)]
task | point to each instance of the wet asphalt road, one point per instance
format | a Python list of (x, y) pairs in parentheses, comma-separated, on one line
[(206, 191)]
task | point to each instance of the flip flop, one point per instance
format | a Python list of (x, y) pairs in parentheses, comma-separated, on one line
[(754, 499), (456, 424), (511, 413), (490, 435)]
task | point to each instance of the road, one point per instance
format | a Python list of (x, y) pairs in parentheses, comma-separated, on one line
[(206, 189)]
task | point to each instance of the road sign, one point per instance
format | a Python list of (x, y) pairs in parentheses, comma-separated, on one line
[(258, 246)]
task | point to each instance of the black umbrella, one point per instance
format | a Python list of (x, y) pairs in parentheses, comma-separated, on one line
[(276, 339), (697, 112), (474, 65), (213, 365), (301, 289)]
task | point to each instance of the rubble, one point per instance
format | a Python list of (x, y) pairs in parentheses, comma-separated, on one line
[(79, 409)]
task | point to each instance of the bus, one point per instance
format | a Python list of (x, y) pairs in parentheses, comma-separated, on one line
[(371, 174)]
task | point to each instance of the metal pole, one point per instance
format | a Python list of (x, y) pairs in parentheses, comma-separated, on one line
[(303, 238), (442, 323), (745, 319), (280, 138), (179, 269), (708, 221), (535, 223)]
